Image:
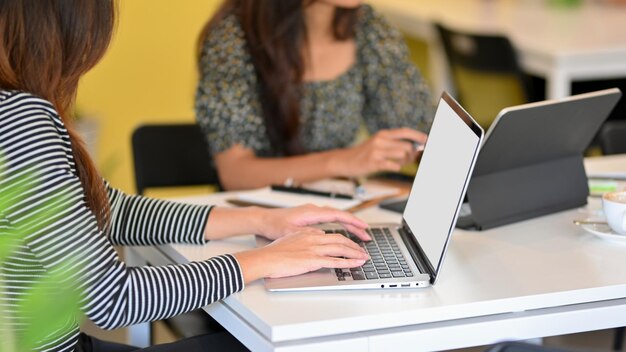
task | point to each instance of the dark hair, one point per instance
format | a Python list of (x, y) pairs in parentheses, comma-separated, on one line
[(45, 47), (276, 36)]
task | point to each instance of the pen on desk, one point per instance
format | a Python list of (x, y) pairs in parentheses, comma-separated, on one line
[(416, 145), (300, 190), (359, 189)]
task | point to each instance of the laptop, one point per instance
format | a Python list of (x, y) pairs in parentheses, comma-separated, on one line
[(538, 148), (411, 254)]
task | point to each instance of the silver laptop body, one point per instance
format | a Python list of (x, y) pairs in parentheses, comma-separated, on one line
[(411, 254)]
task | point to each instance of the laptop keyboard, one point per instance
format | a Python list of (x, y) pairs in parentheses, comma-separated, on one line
[(386, 259)]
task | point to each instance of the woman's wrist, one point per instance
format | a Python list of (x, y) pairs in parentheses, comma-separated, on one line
[(259, 219), (251, 264), (336, 163), (227, 222)]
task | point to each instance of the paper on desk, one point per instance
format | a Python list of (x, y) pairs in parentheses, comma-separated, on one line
[(597, 187), (265, 196), (610, 175), (347, 187)]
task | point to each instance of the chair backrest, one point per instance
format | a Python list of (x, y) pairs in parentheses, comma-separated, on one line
[(613, 137), (514, 346), (167, 155), (491, 56)]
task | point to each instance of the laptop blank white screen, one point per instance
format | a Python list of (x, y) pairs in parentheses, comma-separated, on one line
[(441, 177)]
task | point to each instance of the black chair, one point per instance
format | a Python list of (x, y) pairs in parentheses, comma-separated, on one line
[(170, 155), (494, 58), (612, 137)]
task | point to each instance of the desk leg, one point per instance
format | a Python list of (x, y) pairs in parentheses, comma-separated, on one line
[(139, 334), (558, 85)]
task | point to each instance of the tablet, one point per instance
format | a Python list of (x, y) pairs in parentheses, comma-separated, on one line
[(531, 162)]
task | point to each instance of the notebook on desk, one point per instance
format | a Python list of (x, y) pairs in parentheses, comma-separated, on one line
[(271, 198), (411, 254)]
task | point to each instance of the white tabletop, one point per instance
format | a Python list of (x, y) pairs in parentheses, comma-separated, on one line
[(536, 264), (560, 43)]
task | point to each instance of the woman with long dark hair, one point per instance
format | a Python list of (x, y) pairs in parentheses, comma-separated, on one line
[(45, 47), (286, 85)]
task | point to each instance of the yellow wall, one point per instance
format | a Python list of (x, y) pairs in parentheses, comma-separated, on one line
[(148, 75)]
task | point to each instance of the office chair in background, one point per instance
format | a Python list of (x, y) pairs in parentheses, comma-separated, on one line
[(169, 155), (612, 137), (485, 72)]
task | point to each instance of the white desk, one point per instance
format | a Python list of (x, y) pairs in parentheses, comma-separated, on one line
[(561, 44), (536, 278)]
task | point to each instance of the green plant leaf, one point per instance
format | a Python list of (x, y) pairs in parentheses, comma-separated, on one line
[(50, 305), (46, 307), (13, 190), (45, 214), (8, 243)]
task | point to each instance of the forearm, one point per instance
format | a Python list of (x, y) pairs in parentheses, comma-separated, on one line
[(227, 222), (142, 221), (132, 295), (254, 172), (253, 265)]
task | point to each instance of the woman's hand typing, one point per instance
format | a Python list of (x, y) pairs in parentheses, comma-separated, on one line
[(300, 252), (275, 223)]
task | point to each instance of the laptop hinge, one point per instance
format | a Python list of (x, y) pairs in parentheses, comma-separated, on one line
[(416, 251)]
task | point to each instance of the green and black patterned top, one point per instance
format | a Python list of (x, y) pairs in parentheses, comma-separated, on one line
[(382, 90)]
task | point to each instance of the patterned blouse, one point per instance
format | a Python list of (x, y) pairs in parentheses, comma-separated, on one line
[(381, 90)]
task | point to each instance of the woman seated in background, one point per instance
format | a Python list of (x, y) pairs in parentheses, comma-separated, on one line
[(45, 47), (286, 85)]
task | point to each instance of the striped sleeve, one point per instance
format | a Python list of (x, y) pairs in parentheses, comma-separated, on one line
[(33, 137), (129, 295), (137, 220)]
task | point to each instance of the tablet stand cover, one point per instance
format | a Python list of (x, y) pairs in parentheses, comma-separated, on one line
[(531, 163)]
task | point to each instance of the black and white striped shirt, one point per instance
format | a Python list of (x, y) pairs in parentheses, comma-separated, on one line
[(33, 135)]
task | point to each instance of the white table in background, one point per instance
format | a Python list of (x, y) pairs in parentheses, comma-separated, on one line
[(560, 43), (536, 278)]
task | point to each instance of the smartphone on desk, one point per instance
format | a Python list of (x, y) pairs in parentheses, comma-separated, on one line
[(464, 220), (395, 176), (394, 204)]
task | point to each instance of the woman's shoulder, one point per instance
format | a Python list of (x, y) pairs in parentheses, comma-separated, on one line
[(26, 117), (15, 105), (226, 31), (15, 96), (372, 23), (377, 36), (224, 45)]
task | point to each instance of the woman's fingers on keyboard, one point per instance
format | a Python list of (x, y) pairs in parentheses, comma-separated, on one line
[(342, 250), (340, 239), (358, 232), (341, 263)]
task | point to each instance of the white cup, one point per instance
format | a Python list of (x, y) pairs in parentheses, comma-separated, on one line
[(614, 205)]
